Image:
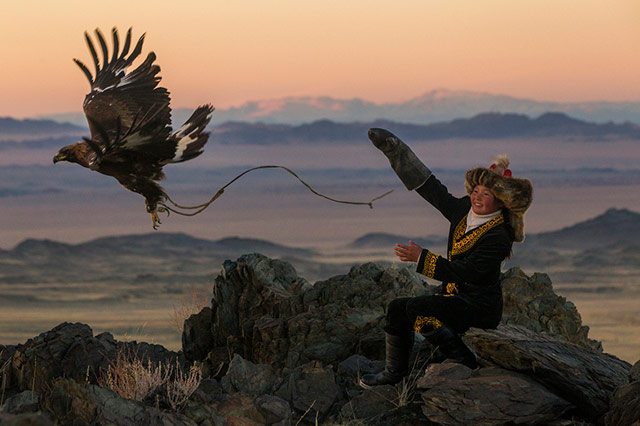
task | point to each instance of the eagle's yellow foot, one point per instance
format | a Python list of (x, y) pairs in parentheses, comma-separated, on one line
[(155, 220)]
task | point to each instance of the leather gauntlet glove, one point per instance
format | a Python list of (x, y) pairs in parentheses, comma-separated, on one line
[(411, 171)]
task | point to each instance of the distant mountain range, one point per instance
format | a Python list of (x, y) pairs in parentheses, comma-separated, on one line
[(27, 130), (614, 226), (160, 244), (609, 240), (431, 107), (481, 126)]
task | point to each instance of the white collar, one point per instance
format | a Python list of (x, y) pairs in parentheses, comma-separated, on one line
[(475, 220)]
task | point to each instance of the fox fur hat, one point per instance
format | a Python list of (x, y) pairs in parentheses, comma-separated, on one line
[(515, 193)]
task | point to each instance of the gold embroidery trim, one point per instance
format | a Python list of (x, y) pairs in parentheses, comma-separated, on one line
[(424, 321), (452, 289), (430, 264), (464, 244)]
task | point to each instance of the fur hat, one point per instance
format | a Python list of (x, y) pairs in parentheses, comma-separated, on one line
[(515, 193)]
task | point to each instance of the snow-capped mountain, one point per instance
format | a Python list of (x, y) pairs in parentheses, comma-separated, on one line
[(435, 106)]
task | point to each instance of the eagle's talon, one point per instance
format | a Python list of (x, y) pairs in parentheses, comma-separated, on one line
[(155, 220)]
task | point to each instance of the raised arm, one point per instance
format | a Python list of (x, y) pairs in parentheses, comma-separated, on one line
[(439, 197), (413, 173)]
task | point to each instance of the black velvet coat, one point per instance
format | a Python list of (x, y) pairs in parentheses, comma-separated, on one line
[(471, 269)]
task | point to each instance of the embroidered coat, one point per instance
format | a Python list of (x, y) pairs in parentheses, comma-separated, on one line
[(471, 269)]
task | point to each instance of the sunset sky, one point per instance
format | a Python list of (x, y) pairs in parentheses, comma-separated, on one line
[(231, 52)]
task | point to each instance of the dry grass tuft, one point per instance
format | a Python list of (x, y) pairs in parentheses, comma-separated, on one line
[(131, 378), (407, 388), (189, 305), (180, 389)]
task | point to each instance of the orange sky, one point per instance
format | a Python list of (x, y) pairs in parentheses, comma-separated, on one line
[(229, 52)]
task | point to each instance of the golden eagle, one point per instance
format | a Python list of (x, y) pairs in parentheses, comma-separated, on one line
[(130, 123)]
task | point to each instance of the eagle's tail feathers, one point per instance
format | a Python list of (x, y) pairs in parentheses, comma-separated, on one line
[(191, 137)]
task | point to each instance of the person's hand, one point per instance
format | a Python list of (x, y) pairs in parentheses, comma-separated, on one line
[(410, 253)]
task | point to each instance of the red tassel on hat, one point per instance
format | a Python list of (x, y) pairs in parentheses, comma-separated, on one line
[(500, 166)]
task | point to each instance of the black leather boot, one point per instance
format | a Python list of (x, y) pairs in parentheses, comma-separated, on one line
[(411, 171), (452, 346), (398, 350)]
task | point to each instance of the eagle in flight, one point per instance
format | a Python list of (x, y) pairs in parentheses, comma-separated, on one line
[(130, 123)]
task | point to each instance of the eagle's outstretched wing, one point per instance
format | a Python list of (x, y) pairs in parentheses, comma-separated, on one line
[(128, 114)]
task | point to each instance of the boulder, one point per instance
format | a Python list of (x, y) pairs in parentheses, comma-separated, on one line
[(241, 409), (310, 388), (625, 404), (370, 403), (531, 302), (23, 402), (584, 377), (357, 365), (249, 378), (37, 418), (454, 394), (73, 403)]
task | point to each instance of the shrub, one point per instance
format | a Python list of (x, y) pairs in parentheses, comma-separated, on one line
[(130, 377)]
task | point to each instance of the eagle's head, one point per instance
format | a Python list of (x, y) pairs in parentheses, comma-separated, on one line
[(67, 153)]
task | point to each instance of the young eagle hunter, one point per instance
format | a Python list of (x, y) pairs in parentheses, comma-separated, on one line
[(130, 123)]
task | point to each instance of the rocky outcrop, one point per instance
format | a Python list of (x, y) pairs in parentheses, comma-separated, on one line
[(71, 351), (531, 302), (274, 349), (264, 312)]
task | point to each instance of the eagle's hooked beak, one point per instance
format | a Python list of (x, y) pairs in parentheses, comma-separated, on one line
[(59, 157)]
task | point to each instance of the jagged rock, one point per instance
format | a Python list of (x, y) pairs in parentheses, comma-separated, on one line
[(437, 374), (26, 419), (207, 391), (263, 311), (357, 365), (582, 376), (71, 350), (240, 409), (311, 388), (27, 401), (246, 377), (252, 286), (197, 339), (625, 404), (531, 303), (458, 395), (74, 403), (6, 352), (370, 403)]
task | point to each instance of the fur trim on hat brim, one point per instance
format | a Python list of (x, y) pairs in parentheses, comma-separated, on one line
[(515, 193)]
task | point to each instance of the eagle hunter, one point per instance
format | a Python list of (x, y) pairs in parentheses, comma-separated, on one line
[(130, 123)]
